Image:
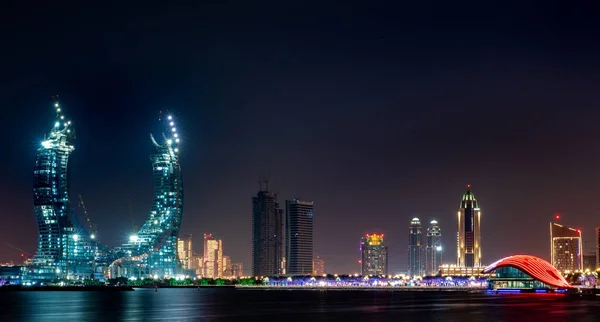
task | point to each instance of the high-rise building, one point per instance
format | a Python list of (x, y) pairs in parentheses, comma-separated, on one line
[(226, 266), (299, 237), (318, 266), (184, 251), (213, 256), (416, 260), (153, 250), (267, 234), (65, 248), (597, 247), (433, 250), (469, 231), (374, 255), (237, 269), (566, 248)]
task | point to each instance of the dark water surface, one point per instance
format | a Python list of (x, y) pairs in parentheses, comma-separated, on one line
[(286, 306)]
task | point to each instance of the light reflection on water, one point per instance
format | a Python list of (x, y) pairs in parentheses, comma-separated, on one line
[(236, 305)]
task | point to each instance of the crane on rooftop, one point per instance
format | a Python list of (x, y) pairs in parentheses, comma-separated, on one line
[(87, 217)]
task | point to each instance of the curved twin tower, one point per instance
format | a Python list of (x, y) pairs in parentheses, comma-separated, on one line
[(67, 250)]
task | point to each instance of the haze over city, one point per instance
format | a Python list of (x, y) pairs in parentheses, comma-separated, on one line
[(377, 115)]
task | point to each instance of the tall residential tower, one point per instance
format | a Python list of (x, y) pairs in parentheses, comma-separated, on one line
[(267, 234), (433, 250), (299, 237), (469, 231), (566, 248), (416, 260), (374, 255)]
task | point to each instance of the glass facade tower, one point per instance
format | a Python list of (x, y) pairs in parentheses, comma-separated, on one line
[(416, 258), (65, 249), (267, 235), (433, 250), (299, 237), (153, 250)]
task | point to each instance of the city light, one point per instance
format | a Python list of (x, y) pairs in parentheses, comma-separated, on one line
[(92, 236), (47, 144), (75, 237), (133, 238)]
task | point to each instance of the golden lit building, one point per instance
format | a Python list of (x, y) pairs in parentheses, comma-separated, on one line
[(469, 231), (213, 254), (566, 248), (184, 251)]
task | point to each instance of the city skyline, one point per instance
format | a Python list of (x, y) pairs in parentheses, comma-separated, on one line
[(400, 108)]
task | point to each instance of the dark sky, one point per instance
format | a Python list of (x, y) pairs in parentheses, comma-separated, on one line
[(377, 113)]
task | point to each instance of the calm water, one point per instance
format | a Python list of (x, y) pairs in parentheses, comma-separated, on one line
[(286, 306)]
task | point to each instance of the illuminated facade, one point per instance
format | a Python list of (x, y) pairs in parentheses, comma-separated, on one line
[(566, 248), (267, 235), (318, 266), (433, 250), (469, 231), (184, 251), (153, 250), (374, 255), (299, 237), (525, 272), (416, 258), (65, 249), (213, 256)]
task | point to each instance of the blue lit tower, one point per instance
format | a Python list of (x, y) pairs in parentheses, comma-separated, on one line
[(65, 249), (433, 249), (416, 263), (153, 250)]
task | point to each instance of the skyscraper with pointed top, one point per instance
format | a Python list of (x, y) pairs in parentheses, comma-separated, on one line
[(469, 231)]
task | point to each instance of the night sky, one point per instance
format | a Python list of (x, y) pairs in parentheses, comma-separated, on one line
[(377, 113)]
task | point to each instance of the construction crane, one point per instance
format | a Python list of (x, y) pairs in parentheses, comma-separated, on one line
[(23, 253), (87, 217)]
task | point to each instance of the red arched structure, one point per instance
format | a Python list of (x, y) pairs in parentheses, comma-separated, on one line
[(536, 267)]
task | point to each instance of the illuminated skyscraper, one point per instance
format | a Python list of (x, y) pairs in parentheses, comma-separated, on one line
[(213, 256), (267, 234), (433, 250), (318, 266), (65, 248), (566, 248), (374, 255), (153, 250), (184, 251), (469, 231), (299, 237), (416, 258)]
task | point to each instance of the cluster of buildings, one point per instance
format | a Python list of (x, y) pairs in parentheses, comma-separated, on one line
[(425, 250), (282, 237), (211, 263)]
